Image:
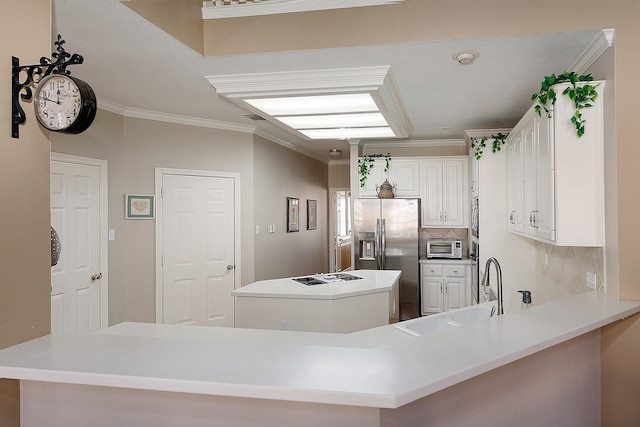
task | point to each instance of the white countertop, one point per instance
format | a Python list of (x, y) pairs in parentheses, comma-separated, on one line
[(382, 367), (445, 261), (373, 281)]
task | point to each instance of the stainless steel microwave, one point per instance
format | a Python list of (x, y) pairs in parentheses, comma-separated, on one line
[(451, 249)]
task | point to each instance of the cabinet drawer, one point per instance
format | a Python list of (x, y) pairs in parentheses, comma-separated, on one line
[(454, 271), (431, 270)]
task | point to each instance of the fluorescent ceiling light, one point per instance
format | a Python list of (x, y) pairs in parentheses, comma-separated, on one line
[(345, 133), (329, 104), (321, 104), (334, 121)]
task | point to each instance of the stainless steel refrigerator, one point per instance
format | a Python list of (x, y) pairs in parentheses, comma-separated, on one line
[(386, 237)]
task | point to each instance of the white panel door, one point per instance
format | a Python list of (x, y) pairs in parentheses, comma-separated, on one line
[(75, 214), (198, 250)]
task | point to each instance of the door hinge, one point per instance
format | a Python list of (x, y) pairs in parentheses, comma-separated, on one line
[(162, 260), (162, 192)]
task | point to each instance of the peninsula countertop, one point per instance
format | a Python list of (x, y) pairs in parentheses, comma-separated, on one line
[(382, 367), (372, 281)]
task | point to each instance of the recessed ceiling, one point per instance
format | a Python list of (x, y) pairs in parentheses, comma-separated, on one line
[(322, 104), (138, 69)]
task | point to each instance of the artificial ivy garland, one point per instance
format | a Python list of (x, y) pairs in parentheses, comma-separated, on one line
[(583, 96), (365, 164), (479, 144)]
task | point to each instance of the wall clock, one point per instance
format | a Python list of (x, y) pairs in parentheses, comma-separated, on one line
[(64, 104)]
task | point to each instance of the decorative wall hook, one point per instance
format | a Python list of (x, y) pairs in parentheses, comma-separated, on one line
[(24, 76)]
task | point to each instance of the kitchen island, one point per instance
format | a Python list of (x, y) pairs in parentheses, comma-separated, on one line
[(538, 366), (337, 302)]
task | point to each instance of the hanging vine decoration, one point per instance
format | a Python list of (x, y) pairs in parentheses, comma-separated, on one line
[(365, 164), (479, 144), (583, 96)]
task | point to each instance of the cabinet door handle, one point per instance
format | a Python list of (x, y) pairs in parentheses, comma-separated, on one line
[(445, 217), (446, 288), (440, 287)]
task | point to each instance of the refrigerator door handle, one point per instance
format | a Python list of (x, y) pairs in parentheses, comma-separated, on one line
[(378, 245), (383, 245)]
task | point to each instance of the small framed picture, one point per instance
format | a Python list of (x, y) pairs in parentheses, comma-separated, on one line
[(293, 214), (312, 214), (139, 206)]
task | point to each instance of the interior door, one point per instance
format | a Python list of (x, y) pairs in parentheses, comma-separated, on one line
[(198, 235), (78, 303)]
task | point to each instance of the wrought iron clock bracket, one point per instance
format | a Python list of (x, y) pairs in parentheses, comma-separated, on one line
[(25, 76)]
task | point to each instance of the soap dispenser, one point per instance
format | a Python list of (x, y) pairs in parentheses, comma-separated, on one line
[(526, 299)]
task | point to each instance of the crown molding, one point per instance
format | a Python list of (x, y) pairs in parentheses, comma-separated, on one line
[(481, 133), (290, 146), (305, 82), (172, 118), (273, 7), (416, 143), (597, 47)]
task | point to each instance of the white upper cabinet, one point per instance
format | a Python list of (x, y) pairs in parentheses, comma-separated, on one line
[(404, 174), (444, 192), (555, 179)]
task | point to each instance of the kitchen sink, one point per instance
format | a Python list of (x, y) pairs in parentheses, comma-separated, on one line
[(325, 279), (448, 319)]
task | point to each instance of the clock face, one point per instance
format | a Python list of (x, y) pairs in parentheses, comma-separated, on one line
[(64, 104), (58, 102)]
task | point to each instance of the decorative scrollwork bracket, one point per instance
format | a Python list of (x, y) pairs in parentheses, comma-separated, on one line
[(24, 76)]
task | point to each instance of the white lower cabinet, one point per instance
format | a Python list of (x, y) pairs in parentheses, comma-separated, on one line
[(445, 286)]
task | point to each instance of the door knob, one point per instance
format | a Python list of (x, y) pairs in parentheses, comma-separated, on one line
[(96, 276), (229, 267)]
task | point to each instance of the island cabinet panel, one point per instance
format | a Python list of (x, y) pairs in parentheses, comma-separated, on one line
[(555, 178), (341, 315)]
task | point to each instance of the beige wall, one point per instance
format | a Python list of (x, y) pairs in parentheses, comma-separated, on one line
[(339, 175), (281, 173), (133, 149), (24, 190)]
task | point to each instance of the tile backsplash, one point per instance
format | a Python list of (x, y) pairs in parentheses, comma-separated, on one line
[(443, 233), (563, 269)]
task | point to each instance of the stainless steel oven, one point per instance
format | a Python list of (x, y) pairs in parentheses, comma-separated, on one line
[(475, 218), (474, 254)]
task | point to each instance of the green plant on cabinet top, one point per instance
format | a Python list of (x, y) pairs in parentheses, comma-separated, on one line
[(479, 144), (365, 164), (583, 96)]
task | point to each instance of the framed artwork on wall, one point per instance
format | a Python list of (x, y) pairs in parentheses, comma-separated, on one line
[(293, 214), (139, 206), (312, 214)]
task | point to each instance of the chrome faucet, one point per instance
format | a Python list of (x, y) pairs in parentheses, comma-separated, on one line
[(485, 281)]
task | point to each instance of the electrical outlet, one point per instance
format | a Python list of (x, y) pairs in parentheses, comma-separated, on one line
[(284, 326), (591, 280)]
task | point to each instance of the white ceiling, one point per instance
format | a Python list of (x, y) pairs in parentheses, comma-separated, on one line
[(137, 69)]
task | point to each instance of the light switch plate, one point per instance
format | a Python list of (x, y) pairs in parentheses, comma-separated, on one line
[(591, 280)]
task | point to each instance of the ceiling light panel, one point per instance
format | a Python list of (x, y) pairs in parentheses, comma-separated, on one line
[(334, 121), (330, 104), (345, 133), (322, 104)]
